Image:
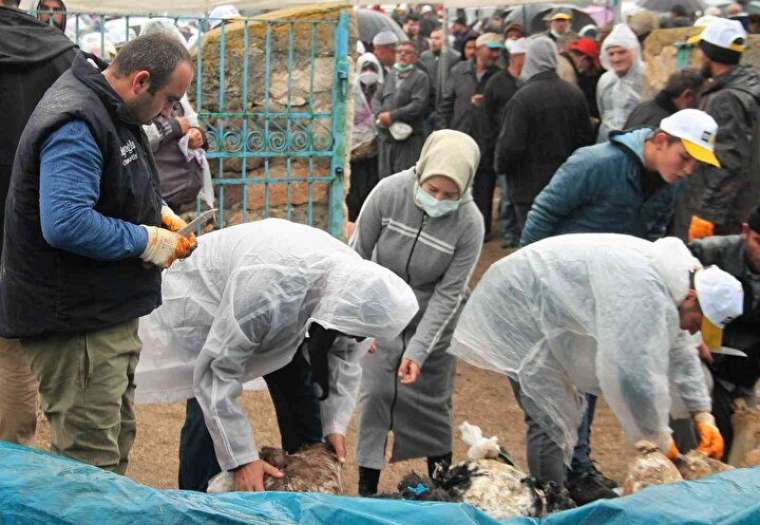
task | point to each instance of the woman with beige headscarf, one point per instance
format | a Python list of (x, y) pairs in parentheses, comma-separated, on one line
[(422, 224)]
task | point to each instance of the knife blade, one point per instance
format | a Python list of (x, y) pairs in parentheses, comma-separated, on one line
[(725, 350), (200, 220)]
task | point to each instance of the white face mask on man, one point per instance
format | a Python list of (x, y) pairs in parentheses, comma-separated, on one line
[(368, 78), (433, 207)]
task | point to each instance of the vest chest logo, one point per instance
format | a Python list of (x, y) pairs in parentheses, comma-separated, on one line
[(128, 152)]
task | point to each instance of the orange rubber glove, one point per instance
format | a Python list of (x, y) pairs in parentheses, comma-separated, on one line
[(710, 440), (170, 220), (700, 228), (164, 247), (672, 453)]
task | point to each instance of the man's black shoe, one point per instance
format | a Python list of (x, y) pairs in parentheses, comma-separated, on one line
[(587, 486)]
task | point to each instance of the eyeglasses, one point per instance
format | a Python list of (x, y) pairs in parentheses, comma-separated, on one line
[(406, 52)]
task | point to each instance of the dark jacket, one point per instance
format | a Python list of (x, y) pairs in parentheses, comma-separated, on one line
[(499, 90), (743, 333), (455, 109), (544, 123), (45, 290), (429, 62), (649, 114), (32, 56), (405, 96), (603, 188), (725, 195)]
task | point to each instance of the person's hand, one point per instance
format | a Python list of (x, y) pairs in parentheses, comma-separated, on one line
[(476, 100), (372, 347), (250, 477), (672, 452), (384, 119), (184, 124), (348, 229), (170, 220), (704, 353), (164, 246), (710, 441), (338, 444), (700, 228), (196, 138), (409, 371)]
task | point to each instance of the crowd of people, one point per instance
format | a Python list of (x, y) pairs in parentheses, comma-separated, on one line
[(103, 293)]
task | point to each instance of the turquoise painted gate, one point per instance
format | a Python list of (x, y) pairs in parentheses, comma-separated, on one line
[(272, 95)]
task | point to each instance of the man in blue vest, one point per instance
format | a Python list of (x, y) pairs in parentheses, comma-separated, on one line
[(90, 237)]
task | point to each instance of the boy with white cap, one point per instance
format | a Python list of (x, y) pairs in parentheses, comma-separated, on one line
[(718, 199), (620, 186), (598, 314)]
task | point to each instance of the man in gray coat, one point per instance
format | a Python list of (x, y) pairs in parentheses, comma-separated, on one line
[(718, 200), (401, 104), (430, 60)]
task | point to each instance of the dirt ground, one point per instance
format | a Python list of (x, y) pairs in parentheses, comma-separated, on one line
[(482, 398)]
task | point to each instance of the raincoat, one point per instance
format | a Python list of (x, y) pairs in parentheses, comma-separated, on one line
[(436, 257), (616, 97), (364, 131), (240, 307), (589, 313)]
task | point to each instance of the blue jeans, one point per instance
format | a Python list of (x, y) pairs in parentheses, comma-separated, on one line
[(510, 231), (582, 452), (297, 408)]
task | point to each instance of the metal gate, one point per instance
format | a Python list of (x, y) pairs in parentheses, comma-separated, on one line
[(272, 95)]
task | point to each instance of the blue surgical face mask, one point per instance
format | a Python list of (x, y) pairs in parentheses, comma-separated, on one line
[(432, 206)]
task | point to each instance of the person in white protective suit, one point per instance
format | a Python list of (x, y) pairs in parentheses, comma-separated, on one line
[(265, 299), (619, 89), (602, 314)]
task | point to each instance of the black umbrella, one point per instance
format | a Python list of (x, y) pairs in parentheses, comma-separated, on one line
[(371, 22), (664, 6), (531, 17)]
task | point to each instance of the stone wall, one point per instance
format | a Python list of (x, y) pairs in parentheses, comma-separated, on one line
[(660, 54), (305, 88)]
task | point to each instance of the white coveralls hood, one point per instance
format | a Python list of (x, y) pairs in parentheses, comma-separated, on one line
[(239, 309), (617, 96), (588, 313)]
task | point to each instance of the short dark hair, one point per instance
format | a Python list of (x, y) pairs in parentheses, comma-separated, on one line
[(672, 139), (679, 10), (412, 17), (158, 53), (680, 81), (10, 3)]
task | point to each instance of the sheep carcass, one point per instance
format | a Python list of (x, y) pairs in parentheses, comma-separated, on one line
[(649, 467), (746, 423), (696, 465), (312, 469)]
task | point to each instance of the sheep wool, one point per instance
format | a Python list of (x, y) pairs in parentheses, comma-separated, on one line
[(649, 467)]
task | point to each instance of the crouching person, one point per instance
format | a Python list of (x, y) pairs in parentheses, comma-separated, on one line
[(269, 299), (85, 219), (601, 314), (734, 376)]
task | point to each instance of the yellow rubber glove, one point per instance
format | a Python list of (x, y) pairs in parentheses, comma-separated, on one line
[(164, 247), (700, 228), (170, 220), (710, 440)]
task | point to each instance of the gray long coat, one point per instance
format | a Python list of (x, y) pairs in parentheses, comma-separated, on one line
[(437, 265), (406, 97)]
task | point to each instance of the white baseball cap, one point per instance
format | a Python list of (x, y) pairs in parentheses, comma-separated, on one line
[(517, 47), (723, 32), (720, 295), (385, 38), (697, 131), (221, 13)]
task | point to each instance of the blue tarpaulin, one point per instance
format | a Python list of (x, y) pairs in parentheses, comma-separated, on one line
[(37, 487)]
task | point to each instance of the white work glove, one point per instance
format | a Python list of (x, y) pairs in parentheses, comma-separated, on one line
[(164, 246), (170, 220)]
